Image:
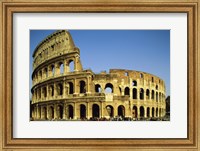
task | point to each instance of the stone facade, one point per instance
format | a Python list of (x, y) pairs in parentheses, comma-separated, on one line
[(62, 90)]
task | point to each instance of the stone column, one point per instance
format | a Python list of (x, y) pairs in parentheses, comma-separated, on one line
[(47, 112), (55, 91), (47, 91), (55, 111), (138, 111), (88, 110), (144, 95), (150, 94), (75, 64), (64, 111), (145, 112), (66, 66), (150, 112), (101, 110), (88, 84), (75, 87), (75, 114)]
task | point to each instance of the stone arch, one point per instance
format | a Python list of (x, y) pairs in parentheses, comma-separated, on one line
[(60, 89), (52, 69), (127, 91), (152, 95), (70, 112), (51, 90), (147, 94), (44, 113), (71, 65), (71, 87), (156, 87), (141, 94), (156, 112), (134, 83), (109, 88), (141, 75), (110, 110), (44, 92), (121, 111), (46, 72), (148, 112), (153, 112), (60, 112), (51, 112), (134, 93), (142, 111), (134, 112), (82, 86), (152, 79), (98, 88), (156, 96), (159, 96), (82, 111), (61, 67), (95, 111)]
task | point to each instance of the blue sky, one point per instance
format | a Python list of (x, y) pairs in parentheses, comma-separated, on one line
[(142, 50)]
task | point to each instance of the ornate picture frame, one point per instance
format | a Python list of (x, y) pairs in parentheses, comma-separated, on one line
[(9, 7)]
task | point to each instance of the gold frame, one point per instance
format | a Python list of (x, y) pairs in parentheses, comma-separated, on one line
[(8, 7)]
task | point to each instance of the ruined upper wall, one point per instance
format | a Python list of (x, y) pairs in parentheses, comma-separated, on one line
[(58, 43)]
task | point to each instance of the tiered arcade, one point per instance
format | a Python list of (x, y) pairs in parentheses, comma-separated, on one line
[(62, 90)]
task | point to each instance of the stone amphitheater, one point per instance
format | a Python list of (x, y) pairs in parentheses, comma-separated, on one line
[(63, 90)]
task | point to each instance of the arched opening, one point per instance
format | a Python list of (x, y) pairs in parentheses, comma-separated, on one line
[(134, 111), (51, 113), (53, 70), (156, 96), (71, 65), (148, 112), (60, 111), (134, 93), (44, 113), (152, 79), (121, 111), (127, 91), (153, 112), (109, 88), (45, 92), (61, 67), (152, 95), (82, 87), (95, 111), (60, 89), (134, 83), (82, 111), (97, 88), (71, 88), (51, 89), (109, 110), (147, 94), (156, 87), (141, 94), (160, 112), (40, 74), (46, 72), (70, 112), (141, 111), (141, 75), (156, 112)]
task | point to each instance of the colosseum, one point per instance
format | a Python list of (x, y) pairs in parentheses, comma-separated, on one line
[(62, 90)]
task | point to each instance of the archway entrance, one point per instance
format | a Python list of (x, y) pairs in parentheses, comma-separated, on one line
[(82, 111), (95, 111), (134, 112), (51, 113), (121, 111), (141, 111), (60, 112), (109, 109), (70, 112)]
